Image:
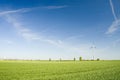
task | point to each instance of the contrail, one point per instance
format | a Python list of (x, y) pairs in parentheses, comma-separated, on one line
[(113, 11)]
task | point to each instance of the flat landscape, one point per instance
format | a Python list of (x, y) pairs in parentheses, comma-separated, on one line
[(60, 70)]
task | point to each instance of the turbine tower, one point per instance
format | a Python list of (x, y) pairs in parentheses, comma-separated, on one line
[(93, 47)]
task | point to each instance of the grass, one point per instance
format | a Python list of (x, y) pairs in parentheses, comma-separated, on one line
[(64, 70)]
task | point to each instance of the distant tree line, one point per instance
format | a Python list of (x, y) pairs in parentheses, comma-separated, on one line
[(60, 59), (80, 59)]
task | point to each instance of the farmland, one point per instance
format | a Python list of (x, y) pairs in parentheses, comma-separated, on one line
[(56, 70)]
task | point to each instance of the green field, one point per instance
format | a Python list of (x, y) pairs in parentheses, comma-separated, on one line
[(64, 70)]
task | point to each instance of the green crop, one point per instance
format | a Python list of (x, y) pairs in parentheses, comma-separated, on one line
[(64, 70)]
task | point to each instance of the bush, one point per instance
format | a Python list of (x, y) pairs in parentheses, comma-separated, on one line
[(98, 59)]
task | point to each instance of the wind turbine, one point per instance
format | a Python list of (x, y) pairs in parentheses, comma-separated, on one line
[(93, 47)]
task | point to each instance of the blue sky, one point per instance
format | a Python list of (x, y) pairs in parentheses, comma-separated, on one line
[(42, 29)]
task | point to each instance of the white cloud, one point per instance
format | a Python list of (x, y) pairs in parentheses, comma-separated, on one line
[(24, 32), (15, 11), (54, 7), (71, 38), (112, 8), (115, 24), (23, 10), (8, 42), (29, 35), (114, 27), (116, 42), (57, 43)]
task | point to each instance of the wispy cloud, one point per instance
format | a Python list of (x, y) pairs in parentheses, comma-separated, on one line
[(23, 10), (113, 11), (55, 7), (114, 27), (15, 11), (24, 32), (29, 35), (116, 23), (116, 42), (8, 41), (74, 37)]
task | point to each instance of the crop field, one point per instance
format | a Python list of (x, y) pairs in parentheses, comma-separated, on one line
[(56, 70)]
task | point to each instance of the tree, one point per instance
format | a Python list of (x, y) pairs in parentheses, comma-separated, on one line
[(74, 59), (80, 58), (98, 59), (49, 59)]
